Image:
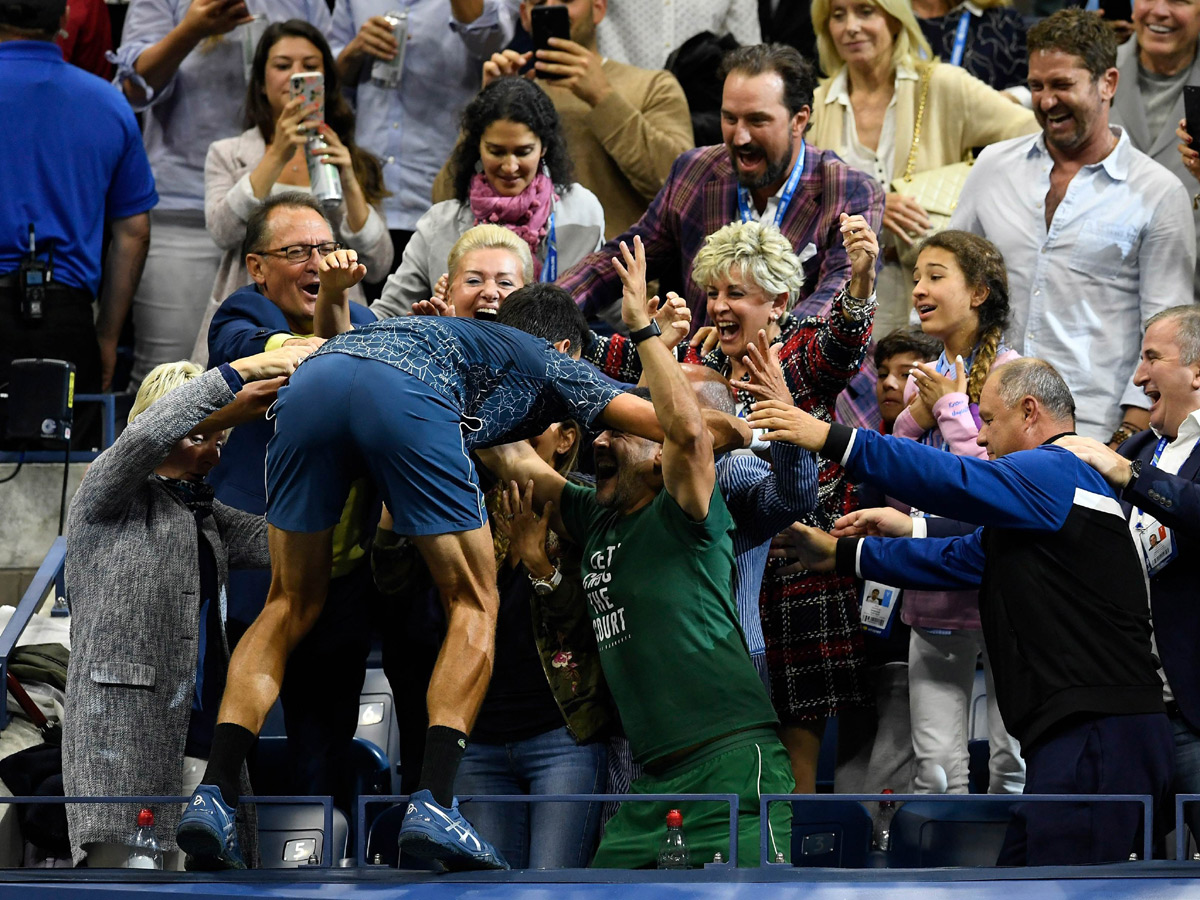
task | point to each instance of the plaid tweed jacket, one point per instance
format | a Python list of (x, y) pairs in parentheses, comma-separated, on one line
[(700, 196)]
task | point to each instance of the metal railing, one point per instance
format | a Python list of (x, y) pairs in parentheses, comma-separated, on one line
[(49, 573)]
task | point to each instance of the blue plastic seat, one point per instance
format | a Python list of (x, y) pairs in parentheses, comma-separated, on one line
[(830, 834), (930, 834)]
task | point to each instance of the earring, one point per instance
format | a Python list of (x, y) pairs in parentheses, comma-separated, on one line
[(774, 317), (545, 168), (479, 167)]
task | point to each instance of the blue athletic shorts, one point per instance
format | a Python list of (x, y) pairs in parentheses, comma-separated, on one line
[(340, 418)]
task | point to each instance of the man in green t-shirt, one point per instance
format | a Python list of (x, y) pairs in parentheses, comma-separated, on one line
[(658, 571)]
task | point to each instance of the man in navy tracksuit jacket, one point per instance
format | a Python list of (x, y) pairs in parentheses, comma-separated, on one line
[(1062, 596)]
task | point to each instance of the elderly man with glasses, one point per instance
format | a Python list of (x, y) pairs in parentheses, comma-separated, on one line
[(320, 693)]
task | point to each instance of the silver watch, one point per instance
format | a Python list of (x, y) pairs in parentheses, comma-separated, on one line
[(544, 586)]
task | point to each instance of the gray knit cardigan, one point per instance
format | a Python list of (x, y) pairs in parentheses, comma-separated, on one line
[(133, 579)]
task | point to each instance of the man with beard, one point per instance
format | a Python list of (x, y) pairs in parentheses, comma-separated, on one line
[(765, 171), (1097, 236), (658, 569)]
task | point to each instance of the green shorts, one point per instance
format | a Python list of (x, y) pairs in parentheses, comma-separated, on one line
[(748, 764)]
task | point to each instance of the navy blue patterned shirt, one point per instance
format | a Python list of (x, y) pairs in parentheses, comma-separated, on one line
[(507, 384)]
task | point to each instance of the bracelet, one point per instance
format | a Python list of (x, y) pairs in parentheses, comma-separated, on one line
[(1123, 433)]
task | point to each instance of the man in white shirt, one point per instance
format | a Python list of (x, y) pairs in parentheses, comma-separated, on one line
[(1097, 236), (645, 32), (1157, 474)]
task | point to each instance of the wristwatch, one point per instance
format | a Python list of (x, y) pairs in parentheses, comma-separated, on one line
[(1135, 470), (643, 334), (544, 586)]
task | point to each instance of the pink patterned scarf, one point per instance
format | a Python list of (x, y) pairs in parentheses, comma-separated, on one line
[(526, 214)]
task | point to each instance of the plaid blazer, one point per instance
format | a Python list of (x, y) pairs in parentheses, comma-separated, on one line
[(700, 196)]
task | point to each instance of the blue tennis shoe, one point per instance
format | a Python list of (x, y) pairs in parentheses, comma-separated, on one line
[(207, 832), (432, 832)]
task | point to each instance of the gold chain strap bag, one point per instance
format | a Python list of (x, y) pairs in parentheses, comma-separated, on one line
[(937, 189)]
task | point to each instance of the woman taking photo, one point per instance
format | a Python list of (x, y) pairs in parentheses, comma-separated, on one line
[(510, 168), (867, 112), (270, 157), (182, 67), (148, 559)]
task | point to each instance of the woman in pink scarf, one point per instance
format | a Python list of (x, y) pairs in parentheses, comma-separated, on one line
[(511, 168)]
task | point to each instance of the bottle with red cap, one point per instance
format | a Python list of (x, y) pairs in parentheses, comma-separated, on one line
[(881, 831), (673, 852), (144, 851)]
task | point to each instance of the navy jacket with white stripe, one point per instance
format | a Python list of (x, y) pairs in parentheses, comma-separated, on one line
[(1063, 596)]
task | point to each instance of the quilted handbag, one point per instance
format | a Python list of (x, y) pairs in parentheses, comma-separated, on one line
[(937, 189)]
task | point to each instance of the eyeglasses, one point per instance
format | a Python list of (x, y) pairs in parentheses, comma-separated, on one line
[(301, 252)]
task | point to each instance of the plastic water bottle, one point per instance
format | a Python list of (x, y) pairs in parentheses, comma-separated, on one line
[(881, 831), (673, 852), (144, 852)]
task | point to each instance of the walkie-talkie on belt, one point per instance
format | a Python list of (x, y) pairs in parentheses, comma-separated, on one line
[(34, 275)]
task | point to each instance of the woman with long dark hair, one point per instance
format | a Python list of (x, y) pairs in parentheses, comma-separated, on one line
[(511, 168), (269, 157)]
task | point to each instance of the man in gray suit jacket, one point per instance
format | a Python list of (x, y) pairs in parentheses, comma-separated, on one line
[(1154, 67)]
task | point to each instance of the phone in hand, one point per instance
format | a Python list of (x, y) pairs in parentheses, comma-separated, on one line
[(310, 86), (548, 22), (1191, 110)]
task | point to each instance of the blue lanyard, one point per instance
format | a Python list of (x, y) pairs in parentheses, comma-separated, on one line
[(550, 269), (960, 38), (789, 188), (1161, 446)]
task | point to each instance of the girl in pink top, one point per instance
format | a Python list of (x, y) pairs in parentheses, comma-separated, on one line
[(960, 293)]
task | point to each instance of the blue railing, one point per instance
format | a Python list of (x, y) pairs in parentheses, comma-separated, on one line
[(50, 572), (328, 855), (1002, 799), (362, 825)]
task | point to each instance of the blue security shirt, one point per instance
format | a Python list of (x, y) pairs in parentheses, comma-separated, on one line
[(76, 161), (507, 384)]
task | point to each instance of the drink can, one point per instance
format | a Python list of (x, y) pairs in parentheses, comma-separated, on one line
[(323, 178), (386, 73)]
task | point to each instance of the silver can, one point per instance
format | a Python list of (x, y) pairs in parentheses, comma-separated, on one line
[(324, 179), (386, 73)]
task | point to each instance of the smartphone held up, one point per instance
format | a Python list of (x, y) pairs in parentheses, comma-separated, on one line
[(323, 177)]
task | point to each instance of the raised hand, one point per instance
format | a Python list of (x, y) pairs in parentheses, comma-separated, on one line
[(375, 38), (705, 340), (673, 318), (340, 271), (932, 386), (206, 18), (862, 246), (434, 306), (506, 62), (766, 373), (579, 69), (635, 307), (526, 529), (1112, 466)]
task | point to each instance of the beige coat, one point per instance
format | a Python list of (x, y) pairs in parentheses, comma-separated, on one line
[(961, 112)]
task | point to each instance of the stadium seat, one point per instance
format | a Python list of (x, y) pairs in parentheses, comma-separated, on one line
[(830, 834), (366, 773), (291, 835), (930, 834), (979, 754), (827, 757), (377, 721)]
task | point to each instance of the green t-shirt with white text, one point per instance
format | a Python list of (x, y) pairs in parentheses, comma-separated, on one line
[(660, 590)]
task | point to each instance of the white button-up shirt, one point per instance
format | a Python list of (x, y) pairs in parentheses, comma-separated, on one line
[(880, 162), (1121, 247), (645, 32)]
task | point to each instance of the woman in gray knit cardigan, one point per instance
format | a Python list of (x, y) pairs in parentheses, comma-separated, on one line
[(148, 555)]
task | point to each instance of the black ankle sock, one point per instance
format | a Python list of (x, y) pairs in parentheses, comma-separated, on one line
[(444, 749), (231, 744)]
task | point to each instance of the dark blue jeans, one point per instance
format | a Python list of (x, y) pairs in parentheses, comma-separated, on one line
[(536, 835)]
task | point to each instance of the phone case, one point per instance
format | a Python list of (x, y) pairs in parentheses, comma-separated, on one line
[(310, 86)]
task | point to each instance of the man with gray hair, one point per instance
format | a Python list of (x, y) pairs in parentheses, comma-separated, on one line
[(1062, 599), (1156, 475)]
